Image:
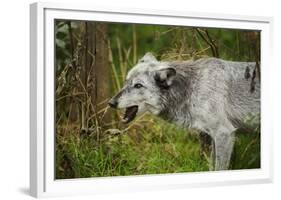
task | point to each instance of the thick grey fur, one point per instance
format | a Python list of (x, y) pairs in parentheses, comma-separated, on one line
[(211, 95)]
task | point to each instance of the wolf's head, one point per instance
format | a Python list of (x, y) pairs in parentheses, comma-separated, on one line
[(143, 88)]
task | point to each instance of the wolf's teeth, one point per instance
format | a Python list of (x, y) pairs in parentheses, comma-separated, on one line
[(125, 120)]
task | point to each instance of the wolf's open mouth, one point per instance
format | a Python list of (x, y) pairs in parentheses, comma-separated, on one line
[(130, 114)]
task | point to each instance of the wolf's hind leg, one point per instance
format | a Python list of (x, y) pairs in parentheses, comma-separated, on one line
[(224, 143)]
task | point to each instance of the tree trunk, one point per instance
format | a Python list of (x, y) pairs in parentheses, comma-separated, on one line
[(95, 75)]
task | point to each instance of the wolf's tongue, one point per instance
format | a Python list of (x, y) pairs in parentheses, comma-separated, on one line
[(130, 114)]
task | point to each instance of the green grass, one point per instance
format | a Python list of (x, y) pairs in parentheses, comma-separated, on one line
[(152, 148), (246, 154)]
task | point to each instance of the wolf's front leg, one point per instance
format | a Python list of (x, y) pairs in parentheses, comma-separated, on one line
[(224, 143), (207, 148)]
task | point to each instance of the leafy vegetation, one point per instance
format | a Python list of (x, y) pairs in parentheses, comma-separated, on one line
[(90, 139)]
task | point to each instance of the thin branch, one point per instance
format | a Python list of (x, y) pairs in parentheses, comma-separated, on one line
[(213, 49), (212, 42)]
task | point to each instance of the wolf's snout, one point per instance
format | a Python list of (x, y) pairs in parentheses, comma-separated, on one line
[(113, 103)]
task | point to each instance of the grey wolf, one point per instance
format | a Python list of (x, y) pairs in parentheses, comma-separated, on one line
[(211, 95)]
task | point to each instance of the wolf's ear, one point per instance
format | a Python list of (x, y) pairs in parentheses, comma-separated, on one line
[(148, 57), (164, 77)]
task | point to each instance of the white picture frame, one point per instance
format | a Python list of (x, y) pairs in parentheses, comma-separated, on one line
[(42, 170)]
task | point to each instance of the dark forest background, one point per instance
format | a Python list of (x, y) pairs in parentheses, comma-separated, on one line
[(92, 59)]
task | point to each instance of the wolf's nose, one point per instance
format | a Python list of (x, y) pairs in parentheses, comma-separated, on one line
[(112, 103)]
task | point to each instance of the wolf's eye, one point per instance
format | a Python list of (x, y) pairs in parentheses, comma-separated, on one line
[(138, 85)]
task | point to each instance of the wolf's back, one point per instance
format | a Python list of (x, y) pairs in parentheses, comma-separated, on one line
[(224, 87)]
